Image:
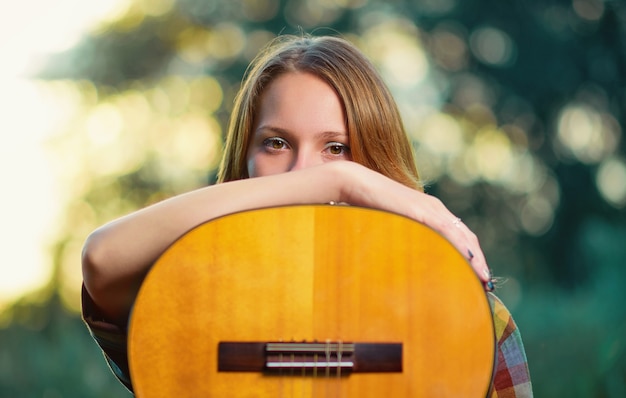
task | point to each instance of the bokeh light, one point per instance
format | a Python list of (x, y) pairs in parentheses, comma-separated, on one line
[(611, 181), (493, 46), (168, 126), (587, 134), (260, 10), (591, 10), (448, 46)]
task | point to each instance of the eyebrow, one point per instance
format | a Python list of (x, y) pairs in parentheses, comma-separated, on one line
[(323, 135)]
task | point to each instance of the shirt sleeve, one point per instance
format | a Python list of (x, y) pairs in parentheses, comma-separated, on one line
[(512, 377), (111, 338)]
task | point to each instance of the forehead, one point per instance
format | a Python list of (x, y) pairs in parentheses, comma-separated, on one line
[(300, 99)]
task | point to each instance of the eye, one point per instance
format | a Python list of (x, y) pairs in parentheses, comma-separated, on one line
[(275, 143), (337, 149)]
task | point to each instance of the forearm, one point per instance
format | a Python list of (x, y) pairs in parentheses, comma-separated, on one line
[(117, 256)]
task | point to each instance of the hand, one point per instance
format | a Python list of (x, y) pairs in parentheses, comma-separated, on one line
[(365, 187), (436, 215)]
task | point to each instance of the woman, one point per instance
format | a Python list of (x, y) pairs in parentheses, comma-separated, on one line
[(313, 123)]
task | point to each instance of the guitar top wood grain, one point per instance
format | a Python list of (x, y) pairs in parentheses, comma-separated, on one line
[(312, 274)]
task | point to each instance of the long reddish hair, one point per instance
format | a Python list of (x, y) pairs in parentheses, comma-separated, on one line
[(375, 129)]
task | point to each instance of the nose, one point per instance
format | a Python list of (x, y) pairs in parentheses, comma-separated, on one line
[(304, 158)]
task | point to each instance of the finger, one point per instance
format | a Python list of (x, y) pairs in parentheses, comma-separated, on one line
[(459, 234), (473, 252)]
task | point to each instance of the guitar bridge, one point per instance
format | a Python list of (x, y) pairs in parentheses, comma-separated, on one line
[(313, 358)]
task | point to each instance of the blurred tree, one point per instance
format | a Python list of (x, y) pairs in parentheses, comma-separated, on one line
[(45, 352)]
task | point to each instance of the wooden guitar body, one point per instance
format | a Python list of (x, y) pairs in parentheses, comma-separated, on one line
[(324, 277)]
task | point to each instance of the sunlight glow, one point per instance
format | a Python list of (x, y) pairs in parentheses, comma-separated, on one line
[(31, 113), (165, 129), (30, 200)]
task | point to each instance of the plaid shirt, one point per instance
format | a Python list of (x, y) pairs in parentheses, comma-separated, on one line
[(511, 378)]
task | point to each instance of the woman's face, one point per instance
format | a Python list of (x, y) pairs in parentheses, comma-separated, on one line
[(300, 123)]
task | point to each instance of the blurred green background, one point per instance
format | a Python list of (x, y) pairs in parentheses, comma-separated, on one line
[(516, 107)]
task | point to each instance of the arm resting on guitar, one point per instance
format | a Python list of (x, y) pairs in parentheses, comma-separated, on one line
[(117, 256)]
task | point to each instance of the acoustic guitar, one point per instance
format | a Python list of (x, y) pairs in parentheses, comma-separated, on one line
[(311, 301)]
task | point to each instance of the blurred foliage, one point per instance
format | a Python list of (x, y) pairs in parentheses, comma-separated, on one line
[(517, 109), (45, 352)]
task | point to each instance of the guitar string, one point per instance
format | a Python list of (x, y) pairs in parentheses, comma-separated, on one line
[(332, 384)]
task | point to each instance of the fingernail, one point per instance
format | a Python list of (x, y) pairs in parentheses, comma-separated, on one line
[(489, 286), (470, 255)]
